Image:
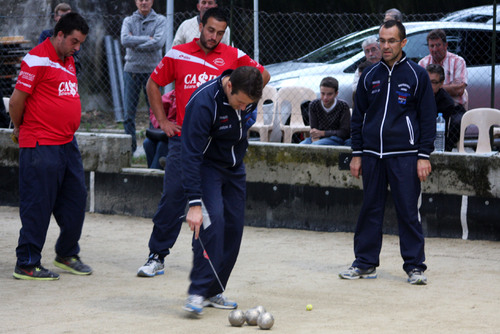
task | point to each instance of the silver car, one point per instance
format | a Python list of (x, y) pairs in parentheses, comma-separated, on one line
[(341, 57), (479, 14)]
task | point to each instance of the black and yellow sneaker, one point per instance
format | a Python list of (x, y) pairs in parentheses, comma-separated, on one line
[(37, 273), (73, 264)]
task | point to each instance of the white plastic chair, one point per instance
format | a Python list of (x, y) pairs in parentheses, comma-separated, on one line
[(264, 124), (294, 96), (484, 119)]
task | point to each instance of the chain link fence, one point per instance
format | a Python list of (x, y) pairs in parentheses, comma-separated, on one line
[(282, 37)]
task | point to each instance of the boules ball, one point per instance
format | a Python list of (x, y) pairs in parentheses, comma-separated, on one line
[(265, 320), (251, 316), (260, 308), (236, 318)]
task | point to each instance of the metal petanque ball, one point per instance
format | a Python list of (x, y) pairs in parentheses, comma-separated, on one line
[(251, 316), (265, 320), (260, 308), (237, 318)]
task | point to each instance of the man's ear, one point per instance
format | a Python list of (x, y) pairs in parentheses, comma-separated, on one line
[(200, 26)]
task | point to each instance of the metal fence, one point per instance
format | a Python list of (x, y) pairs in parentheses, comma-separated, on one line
[(282, 37)]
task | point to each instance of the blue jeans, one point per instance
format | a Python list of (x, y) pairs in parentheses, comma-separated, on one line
[(133, 83), (333, 140), (154, 151)]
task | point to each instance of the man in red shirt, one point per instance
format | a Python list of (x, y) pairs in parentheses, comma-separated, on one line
[(189, 65), (45, 109)]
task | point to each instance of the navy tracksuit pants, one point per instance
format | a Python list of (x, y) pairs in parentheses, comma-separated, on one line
[(224, 198), (170, 213), (401, 174), (51, 181)]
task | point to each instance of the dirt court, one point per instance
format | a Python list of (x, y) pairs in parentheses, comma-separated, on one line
[(283, 270)]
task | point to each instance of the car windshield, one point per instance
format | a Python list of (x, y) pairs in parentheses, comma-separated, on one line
[(340, 49)]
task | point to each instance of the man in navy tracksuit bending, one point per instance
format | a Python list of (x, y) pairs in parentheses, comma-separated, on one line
[(214, 142), (392, 129)]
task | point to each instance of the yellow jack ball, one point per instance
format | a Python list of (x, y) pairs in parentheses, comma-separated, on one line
[(309, 307)]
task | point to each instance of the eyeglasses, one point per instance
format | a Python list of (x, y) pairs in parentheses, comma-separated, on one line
[(390, 41), (434, 82)]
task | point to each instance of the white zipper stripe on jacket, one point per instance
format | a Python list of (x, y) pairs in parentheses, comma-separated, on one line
[(385, 110)]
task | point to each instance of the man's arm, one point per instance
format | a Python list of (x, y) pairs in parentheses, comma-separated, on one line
[(154, 98), (16, 109), (455, 89), (157, 41)]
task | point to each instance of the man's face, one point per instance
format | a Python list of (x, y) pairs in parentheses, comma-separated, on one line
[(238, 101), (60, 13), (327, 95), (372, 53), (67, 46), (437, 49), (204, 5), (212, 33), (390, 44), (435, 82), (144, 6)]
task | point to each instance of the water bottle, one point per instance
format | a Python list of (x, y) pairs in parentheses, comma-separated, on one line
[(440, 129)]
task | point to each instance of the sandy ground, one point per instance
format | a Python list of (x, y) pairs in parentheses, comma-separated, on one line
[(283, 270)]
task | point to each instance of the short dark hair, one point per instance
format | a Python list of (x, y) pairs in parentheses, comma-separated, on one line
[(247, 79), (330, 82), (217, 13), (437, 69), (436, 34), (401, 27), (69, 22)]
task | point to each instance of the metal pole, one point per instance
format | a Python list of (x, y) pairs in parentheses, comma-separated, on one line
[(493, 53), (256, 30), (170, 24)]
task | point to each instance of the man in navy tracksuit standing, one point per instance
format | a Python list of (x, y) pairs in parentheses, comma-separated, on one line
[(393, 129), (214, 142)]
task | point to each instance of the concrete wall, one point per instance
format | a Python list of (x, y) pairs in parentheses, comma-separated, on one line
[(291, 186)]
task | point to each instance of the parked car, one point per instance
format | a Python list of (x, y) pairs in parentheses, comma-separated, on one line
[(341, 57), (480, 14)]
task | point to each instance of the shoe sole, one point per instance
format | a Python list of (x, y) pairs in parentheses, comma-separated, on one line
[(31, 278), (418, 282), (141, 273), (367, 276), (71, 270), (219, 306), (192, 311)]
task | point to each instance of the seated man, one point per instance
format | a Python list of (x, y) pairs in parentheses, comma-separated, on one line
[(452, 112), (156, 142), (329, 117), (454, 66)]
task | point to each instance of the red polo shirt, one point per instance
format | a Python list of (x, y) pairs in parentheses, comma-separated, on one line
[(52, 111), (189, 66)]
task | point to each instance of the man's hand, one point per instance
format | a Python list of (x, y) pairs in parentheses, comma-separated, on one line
[(194, 219), (355, 167), (316, 134), (423, 169), (170, 128)]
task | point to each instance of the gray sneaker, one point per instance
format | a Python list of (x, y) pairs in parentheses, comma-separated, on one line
[(154, 266), (220, 301), (194, 304), (355, 273), (417, 277), (73, 264)]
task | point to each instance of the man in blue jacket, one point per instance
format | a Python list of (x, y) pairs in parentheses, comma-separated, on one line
[(392, 129), (214, 142)]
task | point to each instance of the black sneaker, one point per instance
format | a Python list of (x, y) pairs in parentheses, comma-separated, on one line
[(73, 264), (37, 273)]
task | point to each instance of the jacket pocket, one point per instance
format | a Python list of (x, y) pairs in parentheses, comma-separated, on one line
[(410, 130)]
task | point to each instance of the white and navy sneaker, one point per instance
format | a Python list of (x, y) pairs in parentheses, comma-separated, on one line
[(417, 277), (355, 273), (194, 304), (153, 266)]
